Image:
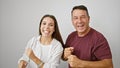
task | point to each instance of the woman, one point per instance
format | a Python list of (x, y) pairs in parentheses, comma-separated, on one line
[(44, 51)]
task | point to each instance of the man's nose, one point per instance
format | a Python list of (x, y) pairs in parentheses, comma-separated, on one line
[(79, 20)]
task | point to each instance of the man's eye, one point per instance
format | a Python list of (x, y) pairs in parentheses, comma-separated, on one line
[(83, 17), (75, 18)]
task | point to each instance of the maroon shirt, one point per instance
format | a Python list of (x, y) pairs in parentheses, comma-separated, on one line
[(92, 47)]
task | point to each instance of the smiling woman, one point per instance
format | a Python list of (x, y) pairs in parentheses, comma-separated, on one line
[(47, 27), (49, 38)]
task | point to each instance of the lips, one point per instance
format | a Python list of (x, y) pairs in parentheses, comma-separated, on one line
[(46, 31), (80, 25)]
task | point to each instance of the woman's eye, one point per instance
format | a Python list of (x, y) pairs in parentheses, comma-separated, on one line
[(51, 24), (44, 23)]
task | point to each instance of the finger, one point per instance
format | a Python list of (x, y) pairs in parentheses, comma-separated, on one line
[(67, 53), (71, 57), (69, 49), (66, 49)]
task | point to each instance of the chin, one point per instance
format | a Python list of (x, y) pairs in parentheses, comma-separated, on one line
[(81, 30)]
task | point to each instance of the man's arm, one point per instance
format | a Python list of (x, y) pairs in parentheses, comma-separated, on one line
[(106, 63), (76, 62)]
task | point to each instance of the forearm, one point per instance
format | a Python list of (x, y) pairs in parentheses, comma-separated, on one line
[(38, 62), (106, 63)]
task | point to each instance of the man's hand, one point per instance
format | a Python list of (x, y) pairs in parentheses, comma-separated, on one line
[(67, 52), (75, 62)]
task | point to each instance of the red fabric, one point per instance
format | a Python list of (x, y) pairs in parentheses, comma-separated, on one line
[(92, 47)]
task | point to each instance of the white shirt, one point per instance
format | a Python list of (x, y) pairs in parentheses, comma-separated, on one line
[(50, 54), (45, 52)]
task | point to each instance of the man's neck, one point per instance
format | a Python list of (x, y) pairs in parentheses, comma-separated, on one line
[(84, 33)]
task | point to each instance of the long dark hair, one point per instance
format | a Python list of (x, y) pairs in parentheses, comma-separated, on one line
[(56, 34)]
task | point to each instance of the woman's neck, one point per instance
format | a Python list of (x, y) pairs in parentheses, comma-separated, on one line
[(45, 40)]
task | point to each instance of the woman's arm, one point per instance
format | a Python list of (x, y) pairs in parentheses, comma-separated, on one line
[(22, 64), (31, 55)]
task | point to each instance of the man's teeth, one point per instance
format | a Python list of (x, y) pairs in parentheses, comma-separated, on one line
[(80, 25)]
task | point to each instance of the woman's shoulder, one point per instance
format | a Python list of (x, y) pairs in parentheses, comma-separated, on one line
[(56, 43), (35, 37)]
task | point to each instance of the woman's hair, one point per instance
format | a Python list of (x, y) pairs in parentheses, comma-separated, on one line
[(56, 34)]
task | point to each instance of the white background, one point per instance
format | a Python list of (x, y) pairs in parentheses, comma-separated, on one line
[(19, 22)]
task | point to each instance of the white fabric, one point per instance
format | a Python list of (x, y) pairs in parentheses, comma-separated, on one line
[(45, 52), (52, 53)]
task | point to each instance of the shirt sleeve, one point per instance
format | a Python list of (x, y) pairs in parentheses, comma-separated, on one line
[(24, 56), (68, 41), (55, 57), (102, 49)]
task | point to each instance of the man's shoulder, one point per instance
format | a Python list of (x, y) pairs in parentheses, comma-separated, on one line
[(73, 33), (96, 33)]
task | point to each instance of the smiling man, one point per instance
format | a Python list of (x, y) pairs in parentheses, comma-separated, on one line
[(86, 47)]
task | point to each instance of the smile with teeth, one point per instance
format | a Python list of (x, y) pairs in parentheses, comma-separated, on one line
[(80, 25), (46, 31)]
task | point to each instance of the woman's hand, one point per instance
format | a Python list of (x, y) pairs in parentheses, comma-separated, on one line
[(22, 64)]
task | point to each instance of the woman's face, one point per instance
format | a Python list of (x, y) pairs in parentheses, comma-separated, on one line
[(47, 27)]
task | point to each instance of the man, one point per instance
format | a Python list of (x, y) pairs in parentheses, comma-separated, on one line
[(86, 47)]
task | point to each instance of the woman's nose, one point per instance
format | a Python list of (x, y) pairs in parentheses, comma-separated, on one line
[(47, 26)]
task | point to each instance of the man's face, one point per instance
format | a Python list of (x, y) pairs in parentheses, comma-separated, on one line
[(80, 21)]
